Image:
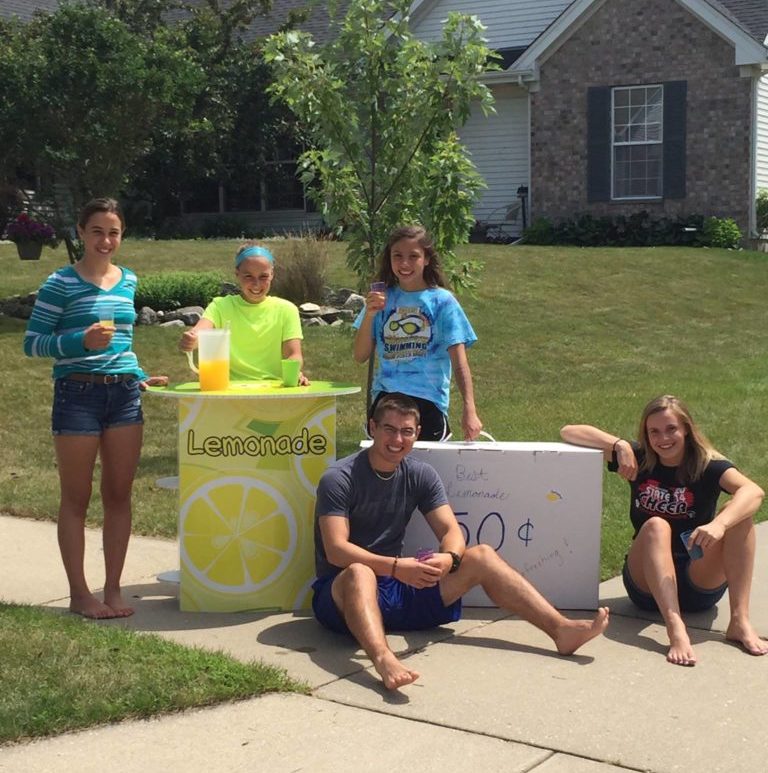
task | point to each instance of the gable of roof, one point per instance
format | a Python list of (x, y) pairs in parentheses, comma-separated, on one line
[(748, 50)]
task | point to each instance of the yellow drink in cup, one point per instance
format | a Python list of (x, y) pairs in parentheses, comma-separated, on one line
[(214, 375), (107, 320)]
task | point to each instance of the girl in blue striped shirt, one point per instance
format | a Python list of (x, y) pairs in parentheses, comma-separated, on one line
[(83, 317)]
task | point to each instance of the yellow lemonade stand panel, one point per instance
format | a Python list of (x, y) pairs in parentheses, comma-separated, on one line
[(250, 460)]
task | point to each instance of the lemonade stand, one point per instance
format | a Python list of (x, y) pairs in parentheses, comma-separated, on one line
[(250, 458)]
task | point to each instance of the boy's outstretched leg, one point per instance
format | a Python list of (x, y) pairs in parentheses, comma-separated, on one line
[(508, 589)]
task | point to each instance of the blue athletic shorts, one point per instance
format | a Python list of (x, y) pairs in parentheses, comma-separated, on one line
[(83, 408), (403, 607), (690, 597)]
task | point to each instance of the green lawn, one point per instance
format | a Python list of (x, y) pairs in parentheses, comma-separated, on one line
[(64, 673), (565, 335)]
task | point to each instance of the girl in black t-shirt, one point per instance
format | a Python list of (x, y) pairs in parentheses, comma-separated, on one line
[(676, 477)]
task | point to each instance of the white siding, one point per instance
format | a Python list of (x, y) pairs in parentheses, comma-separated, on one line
[(499, 147), (761, 149), (510, 23)]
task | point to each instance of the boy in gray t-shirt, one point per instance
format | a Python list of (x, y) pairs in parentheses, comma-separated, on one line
[(364, 587)]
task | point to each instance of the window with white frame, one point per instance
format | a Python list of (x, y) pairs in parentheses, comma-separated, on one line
[(637, 133)]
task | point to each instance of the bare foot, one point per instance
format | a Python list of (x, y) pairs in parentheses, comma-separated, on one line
[(746, 637), (680, 649), (116, 604), (573, 633), (393, 673), (89, 606)]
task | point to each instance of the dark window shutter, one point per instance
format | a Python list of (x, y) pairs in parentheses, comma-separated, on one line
[(598, 143), (674, 138)]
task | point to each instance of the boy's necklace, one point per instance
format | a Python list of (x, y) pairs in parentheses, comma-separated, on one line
[(384, 477)]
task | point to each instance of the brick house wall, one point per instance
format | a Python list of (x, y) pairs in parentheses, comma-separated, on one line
[(629, 43)]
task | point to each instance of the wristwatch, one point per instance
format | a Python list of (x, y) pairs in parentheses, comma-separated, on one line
[(456, 561)]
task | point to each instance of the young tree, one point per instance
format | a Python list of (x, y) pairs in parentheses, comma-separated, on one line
[(380, 110)]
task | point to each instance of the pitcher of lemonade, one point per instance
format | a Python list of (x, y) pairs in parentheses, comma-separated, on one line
[(213, 360)]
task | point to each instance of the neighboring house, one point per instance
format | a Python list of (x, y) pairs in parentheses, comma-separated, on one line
[(610, 107)]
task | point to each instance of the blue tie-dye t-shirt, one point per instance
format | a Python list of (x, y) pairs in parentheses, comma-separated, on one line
[(412, 334)]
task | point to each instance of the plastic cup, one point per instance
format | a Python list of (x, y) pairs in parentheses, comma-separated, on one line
[(107, 318), (694, 551), (290, 370), (378, 287), (107, 321)]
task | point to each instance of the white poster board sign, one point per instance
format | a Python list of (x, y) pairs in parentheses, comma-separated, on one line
[(537, 504)]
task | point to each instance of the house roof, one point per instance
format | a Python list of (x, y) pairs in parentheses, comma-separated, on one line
[(318, 24), (25, 8), (751, 15)]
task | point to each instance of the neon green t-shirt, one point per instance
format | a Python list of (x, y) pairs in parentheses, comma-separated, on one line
[(258, 331)]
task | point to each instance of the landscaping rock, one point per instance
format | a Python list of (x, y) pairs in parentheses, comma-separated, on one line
[(354, 302), (146, 316), (312, 314), (189, 315)]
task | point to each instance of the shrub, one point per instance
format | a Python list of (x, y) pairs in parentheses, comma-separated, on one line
[(178, 228), (301, 266), (176, 289), (226, 227), (540, 231), (762, 210), (720, 232)]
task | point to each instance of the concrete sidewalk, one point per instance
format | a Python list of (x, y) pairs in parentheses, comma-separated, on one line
[(492, 695)]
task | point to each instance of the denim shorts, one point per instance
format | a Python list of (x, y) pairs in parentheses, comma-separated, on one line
[(83, 408), (691, 597), (403, 607)]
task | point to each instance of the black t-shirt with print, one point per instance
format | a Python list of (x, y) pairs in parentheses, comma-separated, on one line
[(658, 493)]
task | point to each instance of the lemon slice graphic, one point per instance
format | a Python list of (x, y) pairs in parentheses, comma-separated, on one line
[(310, 467), (189, 410), (239, 534)]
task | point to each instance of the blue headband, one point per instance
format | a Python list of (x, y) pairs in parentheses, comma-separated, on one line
[(253, 252)]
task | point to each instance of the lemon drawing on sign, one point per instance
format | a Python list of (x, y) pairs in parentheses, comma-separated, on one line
[(310, 467), (239, 534), (189, 410), (554, 496)]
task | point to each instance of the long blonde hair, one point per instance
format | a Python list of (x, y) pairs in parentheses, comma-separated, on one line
[(698, 451)]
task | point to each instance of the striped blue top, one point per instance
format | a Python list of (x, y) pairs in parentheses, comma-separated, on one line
[(66, 307)]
